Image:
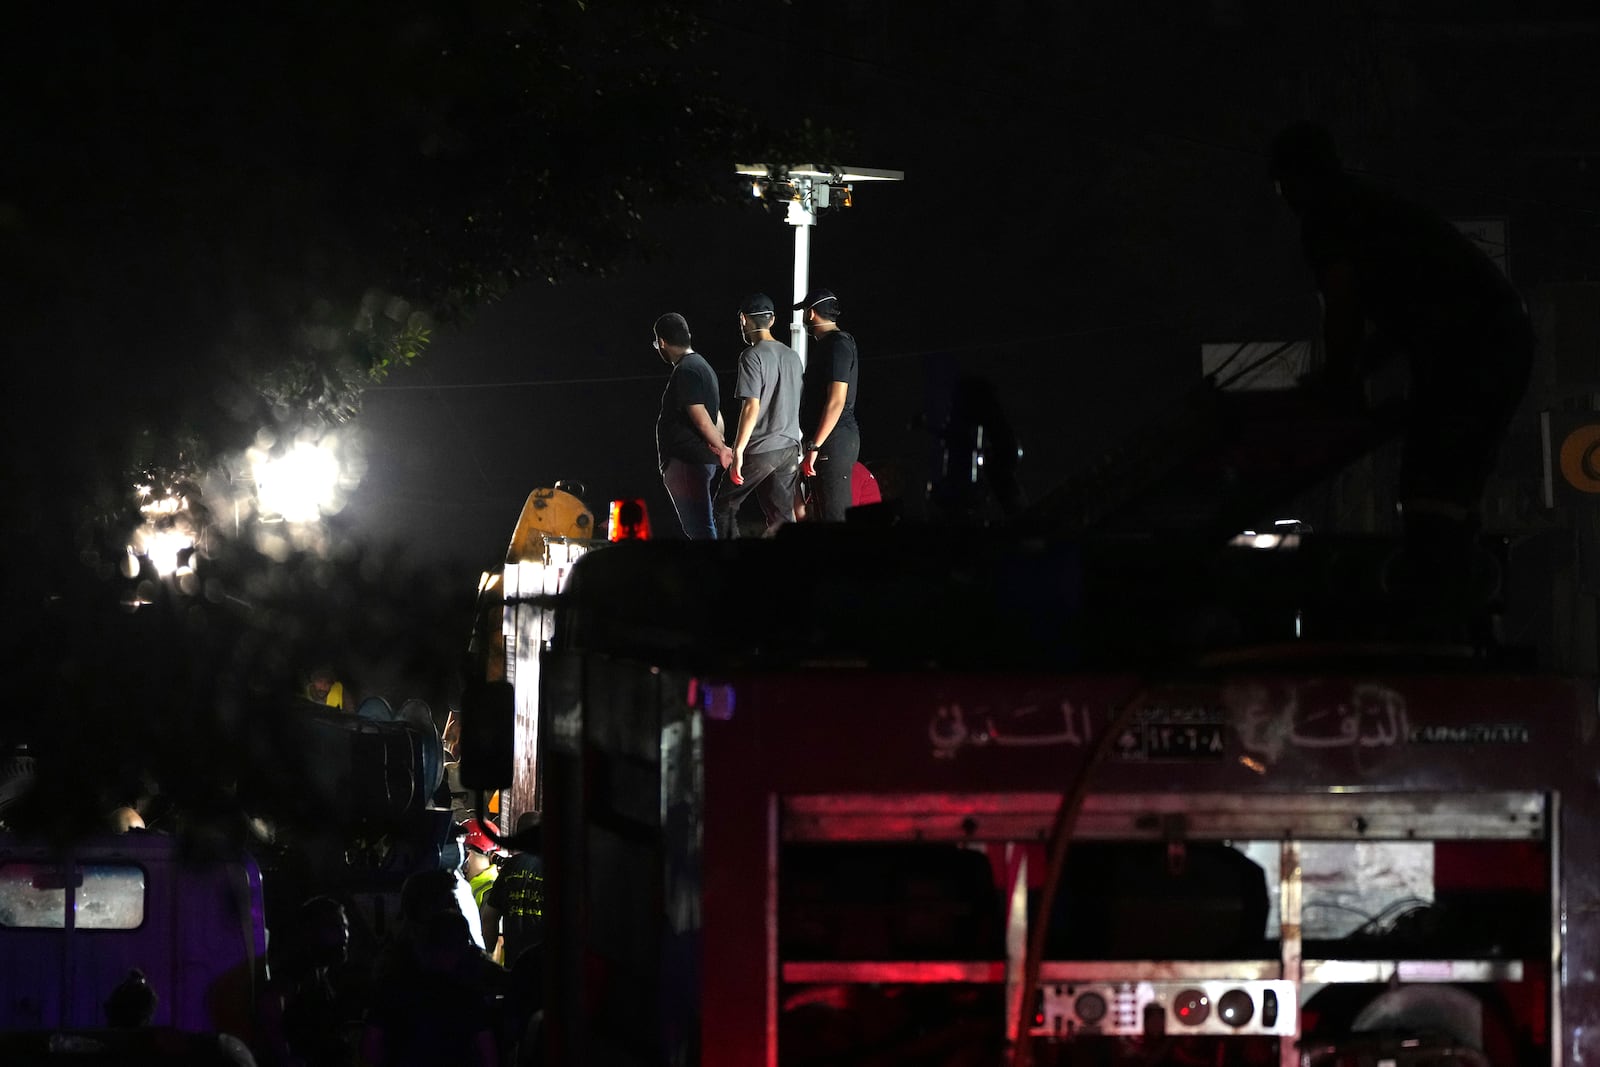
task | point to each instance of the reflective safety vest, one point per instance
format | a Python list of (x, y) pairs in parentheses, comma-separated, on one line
[(482, 882)]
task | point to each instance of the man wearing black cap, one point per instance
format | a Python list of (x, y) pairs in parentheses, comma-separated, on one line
[(828, 409), (1427, 292), (689, 445), (766, 446)]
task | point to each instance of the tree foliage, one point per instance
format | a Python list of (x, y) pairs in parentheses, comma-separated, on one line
[(267, 184)]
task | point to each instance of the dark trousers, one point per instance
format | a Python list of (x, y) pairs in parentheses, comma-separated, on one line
[(830, 487), (772, 477)]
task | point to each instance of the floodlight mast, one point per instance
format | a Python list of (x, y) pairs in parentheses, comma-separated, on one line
[(809, 189)]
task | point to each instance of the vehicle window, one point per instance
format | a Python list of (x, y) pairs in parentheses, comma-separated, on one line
[(111, 897), (32, 895), (108, 896), (1350, 885)]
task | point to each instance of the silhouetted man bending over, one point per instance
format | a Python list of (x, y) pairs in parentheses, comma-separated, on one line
[(1397, 279)]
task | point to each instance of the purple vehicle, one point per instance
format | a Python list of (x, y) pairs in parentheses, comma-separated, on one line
[(75, 920)]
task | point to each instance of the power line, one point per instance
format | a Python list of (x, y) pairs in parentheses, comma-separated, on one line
[(517, 385), (461, 430), (1053, 338)]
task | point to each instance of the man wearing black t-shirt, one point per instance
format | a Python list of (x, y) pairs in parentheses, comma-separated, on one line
[(515, 903), (1397, 279), (689, 444), (828, 409)]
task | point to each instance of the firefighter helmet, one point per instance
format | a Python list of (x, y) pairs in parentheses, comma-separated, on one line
[(474, 837)]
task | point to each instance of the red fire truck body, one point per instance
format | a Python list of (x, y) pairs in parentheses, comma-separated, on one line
[(803, 800)]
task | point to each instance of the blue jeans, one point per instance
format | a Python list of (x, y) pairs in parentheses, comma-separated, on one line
[(689, 486)]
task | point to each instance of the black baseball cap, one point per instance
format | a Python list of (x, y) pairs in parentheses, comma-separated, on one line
[(757, 304), (815, 297)]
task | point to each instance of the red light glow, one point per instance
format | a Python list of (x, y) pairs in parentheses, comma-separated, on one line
[(630, 521)]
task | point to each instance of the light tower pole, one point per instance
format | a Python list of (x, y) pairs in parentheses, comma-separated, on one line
[(810, 189)]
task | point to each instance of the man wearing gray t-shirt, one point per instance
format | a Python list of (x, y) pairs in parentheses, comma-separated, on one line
[(766, 447)]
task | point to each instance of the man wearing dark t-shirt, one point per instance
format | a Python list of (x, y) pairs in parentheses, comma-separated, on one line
[(1397, 279), (516, 900), (828, 409), (689, 445)]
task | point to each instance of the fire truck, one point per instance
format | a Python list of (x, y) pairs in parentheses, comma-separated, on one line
[(981, 795)]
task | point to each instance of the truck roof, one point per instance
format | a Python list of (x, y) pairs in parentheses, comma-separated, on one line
[(975, 599)]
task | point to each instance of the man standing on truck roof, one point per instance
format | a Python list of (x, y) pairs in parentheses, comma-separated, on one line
[(1424, 290), (828, 409), (766, 447), (690, 449)]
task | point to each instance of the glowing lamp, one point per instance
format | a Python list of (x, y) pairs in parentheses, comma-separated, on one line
[(630, 521), (299, 485)]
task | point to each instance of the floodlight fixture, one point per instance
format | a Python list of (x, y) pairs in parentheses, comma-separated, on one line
[(299, 485), (809, 189)]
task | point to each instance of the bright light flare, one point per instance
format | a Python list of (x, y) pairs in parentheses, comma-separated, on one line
[(167, 505), (298, 486), (164, 548), (1265, 541), (165, 537)]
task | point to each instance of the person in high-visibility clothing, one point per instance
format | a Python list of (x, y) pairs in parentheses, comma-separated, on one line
[(324, 687), (482, 863)]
